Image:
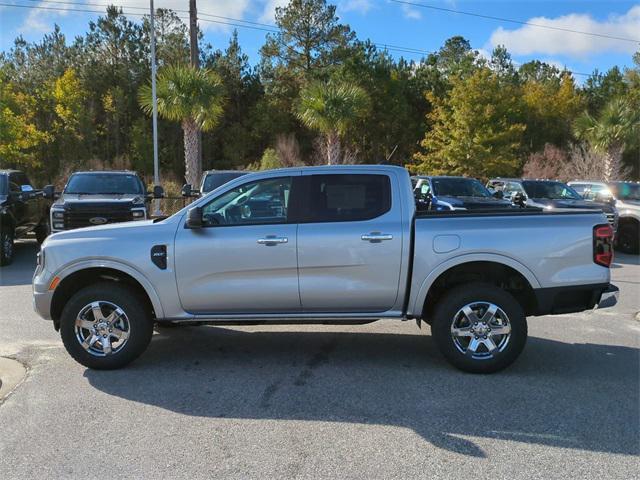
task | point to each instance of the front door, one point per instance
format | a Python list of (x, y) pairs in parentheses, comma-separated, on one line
[(349, 243), (243, 260)]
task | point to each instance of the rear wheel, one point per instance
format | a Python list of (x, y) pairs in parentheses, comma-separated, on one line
[(628, 238), (6, 245), (105, 326), (479, 328)]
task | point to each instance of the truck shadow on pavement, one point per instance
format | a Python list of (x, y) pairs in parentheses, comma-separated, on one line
[(576, 396), (20, 272)]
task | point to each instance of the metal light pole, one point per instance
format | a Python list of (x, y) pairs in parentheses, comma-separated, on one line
[(154, 100)]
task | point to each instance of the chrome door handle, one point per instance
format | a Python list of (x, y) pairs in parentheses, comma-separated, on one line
[(272, 240), (376, 237)]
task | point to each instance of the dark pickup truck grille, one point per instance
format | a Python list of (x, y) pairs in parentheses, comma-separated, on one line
[(78, 216)]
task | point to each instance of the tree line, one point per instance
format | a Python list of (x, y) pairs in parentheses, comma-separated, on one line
[(319, 94)]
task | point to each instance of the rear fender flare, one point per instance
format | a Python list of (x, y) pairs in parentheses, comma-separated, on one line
[(419, 300)]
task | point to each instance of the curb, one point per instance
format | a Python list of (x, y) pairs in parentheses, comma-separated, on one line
[(12, 373)]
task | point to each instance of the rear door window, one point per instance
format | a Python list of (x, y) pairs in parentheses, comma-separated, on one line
[(346, 197)]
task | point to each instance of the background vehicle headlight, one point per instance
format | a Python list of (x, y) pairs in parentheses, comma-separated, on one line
[(58, 226), (58, 213), (137, 213)]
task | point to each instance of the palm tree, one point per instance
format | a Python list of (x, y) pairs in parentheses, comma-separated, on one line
[(332, 108), (192, 97), (614, 128)]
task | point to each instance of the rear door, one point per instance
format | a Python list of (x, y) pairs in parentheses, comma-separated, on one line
[(349, 243)]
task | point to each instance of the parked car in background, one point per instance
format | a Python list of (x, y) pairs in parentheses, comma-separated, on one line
[(212, 179), (23, 210), (626, 198), (325, 245), (549, 194), (444, 193), (99, 197)]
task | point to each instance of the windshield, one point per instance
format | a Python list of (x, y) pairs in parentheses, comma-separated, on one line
[(459, 187), (626, 191), (551, 190), (215, 180), (104, 183)]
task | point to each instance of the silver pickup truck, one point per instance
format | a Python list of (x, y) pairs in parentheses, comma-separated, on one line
[(328, 245)]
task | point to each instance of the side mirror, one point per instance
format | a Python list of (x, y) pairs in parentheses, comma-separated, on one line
[(158, 191), (519, 199), (186, 190), (48, 192), (194, 218), (499, 194)]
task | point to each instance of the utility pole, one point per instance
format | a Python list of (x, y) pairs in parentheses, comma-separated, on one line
[(195, 61), (154, 100)]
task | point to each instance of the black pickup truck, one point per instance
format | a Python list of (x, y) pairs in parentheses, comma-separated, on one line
[(23, 209), (98, 197)]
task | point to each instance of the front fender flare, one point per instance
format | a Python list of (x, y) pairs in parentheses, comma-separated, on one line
[(122, 267), (420, 298)]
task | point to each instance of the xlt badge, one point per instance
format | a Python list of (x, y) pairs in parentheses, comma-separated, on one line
[(159, 256)]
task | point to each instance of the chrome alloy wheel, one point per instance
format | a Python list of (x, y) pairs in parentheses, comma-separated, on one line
[(102, 328), (480, 330), (7, 241)]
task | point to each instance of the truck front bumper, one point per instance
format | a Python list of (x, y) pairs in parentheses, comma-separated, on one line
[(42, 296)]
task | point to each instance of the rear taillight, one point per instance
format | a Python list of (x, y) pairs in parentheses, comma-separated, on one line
[(603, 245)]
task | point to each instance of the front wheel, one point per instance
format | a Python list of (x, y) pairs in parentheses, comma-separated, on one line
[(479, 328), (105, 326), (6, 245)]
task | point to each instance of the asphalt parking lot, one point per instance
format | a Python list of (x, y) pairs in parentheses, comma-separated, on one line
[(372, 401)]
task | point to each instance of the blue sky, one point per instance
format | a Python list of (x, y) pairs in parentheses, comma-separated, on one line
[(388, 22)]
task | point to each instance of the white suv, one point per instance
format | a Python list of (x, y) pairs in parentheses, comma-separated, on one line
[(627, 200)]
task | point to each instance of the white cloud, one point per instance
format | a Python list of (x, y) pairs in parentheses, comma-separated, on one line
[(360, 6), (528, 39), (43, 20), (410, 12), (269, 12)]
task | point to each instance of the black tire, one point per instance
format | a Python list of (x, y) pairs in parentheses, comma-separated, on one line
[(628, 238), (139, 319), (7, 246), (42, 231), (446, 311)]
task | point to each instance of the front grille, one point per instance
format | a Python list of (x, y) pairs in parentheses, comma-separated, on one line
[(79, 215)]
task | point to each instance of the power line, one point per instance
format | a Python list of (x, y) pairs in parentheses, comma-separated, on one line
[(510, 20), (233, 22)]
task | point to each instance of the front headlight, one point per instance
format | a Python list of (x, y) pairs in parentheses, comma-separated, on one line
[(138, 213), (57, 213)]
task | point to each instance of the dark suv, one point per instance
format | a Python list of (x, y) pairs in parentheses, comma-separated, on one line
[(23, 210), (444, 193), (99, 197), (212, 179), (548, 194)]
